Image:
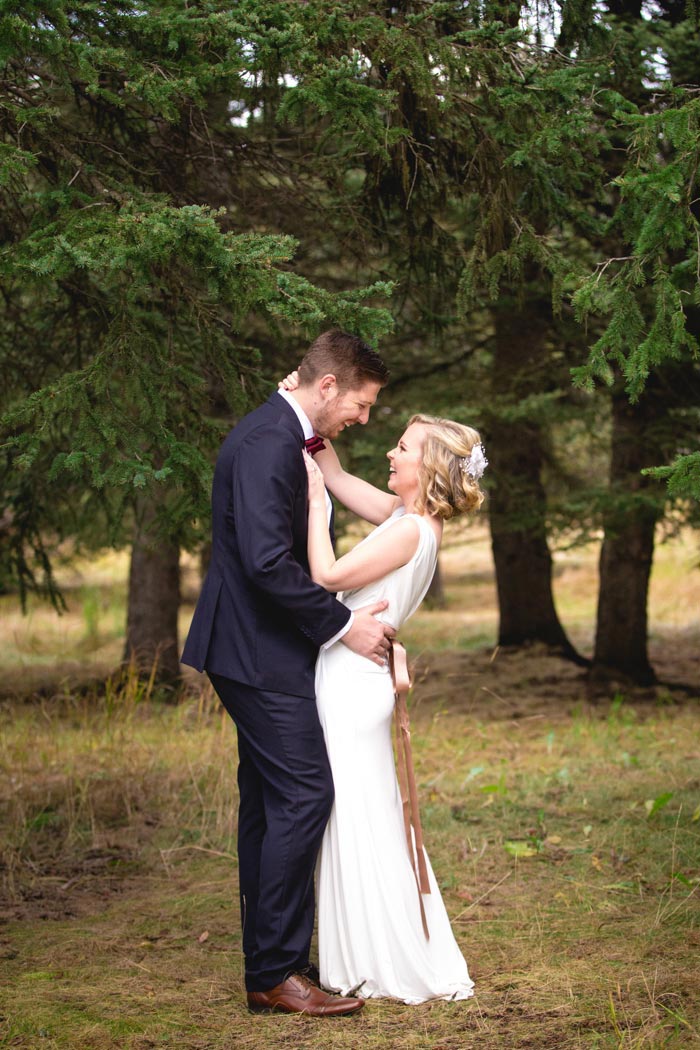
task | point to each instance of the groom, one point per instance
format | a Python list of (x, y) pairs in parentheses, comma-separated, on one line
[(257, 629)]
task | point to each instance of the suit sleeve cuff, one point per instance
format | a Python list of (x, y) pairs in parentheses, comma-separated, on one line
[(343, 630)]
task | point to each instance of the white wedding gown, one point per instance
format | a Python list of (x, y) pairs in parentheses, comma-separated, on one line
[(370, 930)]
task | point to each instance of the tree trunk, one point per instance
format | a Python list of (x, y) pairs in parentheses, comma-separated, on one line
[(153, 600), (435, 595), (521, 554), (628, 546), (517, 500)]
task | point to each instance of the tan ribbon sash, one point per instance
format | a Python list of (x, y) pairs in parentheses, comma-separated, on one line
[(406, 774)]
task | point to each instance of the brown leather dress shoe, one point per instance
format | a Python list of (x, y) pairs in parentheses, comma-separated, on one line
[(297, 995)]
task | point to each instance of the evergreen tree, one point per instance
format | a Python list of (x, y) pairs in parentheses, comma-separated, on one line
[(124, 302), (161, 163), (486, 166), (647, 291)]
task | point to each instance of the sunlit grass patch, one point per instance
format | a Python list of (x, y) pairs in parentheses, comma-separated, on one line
[(41, 649)]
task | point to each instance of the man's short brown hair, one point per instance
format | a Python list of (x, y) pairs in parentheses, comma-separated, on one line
[(347, 357)]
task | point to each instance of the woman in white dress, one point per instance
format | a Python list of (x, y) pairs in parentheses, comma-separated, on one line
[(371, 933)]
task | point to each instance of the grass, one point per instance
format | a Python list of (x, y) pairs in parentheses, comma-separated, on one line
[(565, 834), (574, 900)]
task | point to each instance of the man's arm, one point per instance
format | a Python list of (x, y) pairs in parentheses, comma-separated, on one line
[(368, 636)]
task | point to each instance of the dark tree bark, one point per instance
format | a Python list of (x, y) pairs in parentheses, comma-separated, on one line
[(435, 595), (153, 601), (628, 546), (521, 553), (517, 500)]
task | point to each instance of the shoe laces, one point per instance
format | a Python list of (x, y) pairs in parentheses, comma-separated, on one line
[(305, 981)]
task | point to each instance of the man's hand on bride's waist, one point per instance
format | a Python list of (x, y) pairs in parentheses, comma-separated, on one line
[(368, 636)]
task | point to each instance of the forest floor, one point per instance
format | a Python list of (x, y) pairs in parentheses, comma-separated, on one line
[(563, 826)]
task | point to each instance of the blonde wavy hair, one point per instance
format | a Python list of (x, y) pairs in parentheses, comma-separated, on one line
[(444, 487)]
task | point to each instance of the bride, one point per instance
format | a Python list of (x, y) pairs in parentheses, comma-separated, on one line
[(372, 940)]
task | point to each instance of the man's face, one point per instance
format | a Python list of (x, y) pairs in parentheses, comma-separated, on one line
[(339, 410)]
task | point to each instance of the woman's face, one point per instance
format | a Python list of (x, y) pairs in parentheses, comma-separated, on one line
[(405, 460)]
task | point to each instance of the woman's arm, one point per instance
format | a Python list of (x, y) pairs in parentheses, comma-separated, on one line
[(363, 499), (366, 562)]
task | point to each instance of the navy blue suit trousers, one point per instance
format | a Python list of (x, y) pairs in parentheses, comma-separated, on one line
[(286, 793)]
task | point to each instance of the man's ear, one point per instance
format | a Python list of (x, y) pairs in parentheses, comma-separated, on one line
[(328, 386)]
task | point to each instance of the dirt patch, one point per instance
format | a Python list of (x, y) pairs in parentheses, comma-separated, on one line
[(69, 884), (497, 684)]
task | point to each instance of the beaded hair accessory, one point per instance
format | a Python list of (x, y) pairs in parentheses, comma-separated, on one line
[(475, 463)]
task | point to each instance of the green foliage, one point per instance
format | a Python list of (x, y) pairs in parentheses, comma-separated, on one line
[(187, 191), (125, 302), (682, 476), (649, 297), (655, 219)]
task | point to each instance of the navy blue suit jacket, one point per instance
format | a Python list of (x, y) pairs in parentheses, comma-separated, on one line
[(260, 619)]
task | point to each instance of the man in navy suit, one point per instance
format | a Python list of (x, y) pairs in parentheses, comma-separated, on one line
[(257, 629)]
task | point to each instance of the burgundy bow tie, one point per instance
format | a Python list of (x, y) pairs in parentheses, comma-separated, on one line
[(314, 444)]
